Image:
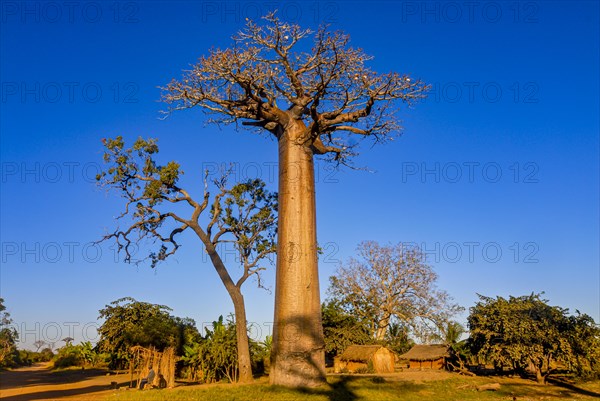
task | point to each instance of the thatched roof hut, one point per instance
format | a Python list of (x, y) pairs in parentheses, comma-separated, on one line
[(367, 358), (427, 356)]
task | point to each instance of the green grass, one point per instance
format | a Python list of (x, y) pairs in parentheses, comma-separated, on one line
[(353, 388)]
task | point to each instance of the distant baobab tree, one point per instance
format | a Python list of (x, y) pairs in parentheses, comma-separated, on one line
[(68, 340), (312, 100)]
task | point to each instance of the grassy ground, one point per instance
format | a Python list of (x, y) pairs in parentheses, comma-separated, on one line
[(354, 388)]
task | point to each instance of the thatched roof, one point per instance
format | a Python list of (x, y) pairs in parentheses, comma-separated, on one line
[(360, 353), (426, 352)]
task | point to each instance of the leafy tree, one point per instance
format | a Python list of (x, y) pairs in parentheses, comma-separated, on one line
[(314, 101), (397, 338), (453, 332), (129, 322), (449, 333), (47, 354), (8, 336), (261, 354), (245, 215), (584, 337), (460, 354), (214, 356), (526, 331), (68, 355), (391, 283), (341, 329)]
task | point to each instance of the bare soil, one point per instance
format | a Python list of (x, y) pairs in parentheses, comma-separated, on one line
[(39, 382)]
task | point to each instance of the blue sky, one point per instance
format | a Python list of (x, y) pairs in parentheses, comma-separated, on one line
[(495, 176)]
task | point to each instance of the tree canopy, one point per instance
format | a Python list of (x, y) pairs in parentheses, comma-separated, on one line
[(525, 331), (342, 329), (128, 322), (8, 336), (271, 76)]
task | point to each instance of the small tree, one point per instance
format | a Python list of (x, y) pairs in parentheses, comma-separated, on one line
[(392, 283), (342, 329), (8, 336), (525, 331), (68, 340), (584, 337), (245, 215), (213, 357), (398, 339), (319, 100), (453, 332), (128, 322), (39, 344)]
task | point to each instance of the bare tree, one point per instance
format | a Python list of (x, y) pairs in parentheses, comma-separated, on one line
[(244, 215), (312, 100), (39, 344), (392, 282)]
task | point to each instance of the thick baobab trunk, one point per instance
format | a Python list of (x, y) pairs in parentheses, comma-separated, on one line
[(297, 357)]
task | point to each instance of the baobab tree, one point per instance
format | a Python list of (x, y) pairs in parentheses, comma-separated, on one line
[(312, 99), (244, 215)]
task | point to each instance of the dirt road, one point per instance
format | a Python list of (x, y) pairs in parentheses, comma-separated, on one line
[(38, 382)]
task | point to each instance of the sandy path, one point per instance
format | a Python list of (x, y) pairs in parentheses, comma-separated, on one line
[(38, 382)]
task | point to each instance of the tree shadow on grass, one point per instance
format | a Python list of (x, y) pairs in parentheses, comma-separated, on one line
[(25, 378), (51, 394), (343, 388), (549, 391), (573, 388), (336, 391)]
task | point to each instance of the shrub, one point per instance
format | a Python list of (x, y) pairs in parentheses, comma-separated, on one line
[(69, 355)]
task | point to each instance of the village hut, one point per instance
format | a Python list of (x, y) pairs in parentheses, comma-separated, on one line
[(366, 358), (426, 356), (163, 364)]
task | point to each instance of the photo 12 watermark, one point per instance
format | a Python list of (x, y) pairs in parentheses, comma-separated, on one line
[(470, 172), (51, 172), (470, 12), (68, 92), (53, 335), (229, 253), (325, 173), (69, 12), (527, 92), (63, 252), (476, 252), (307, 12)]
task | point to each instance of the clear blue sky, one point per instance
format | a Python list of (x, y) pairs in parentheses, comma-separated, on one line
[(496, 175)]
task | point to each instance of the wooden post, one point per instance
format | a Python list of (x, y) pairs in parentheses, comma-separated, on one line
[(130, 374)]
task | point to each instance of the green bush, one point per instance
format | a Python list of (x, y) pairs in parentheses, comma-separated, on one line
[(67, 356), (83, 355), (45, 355)]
